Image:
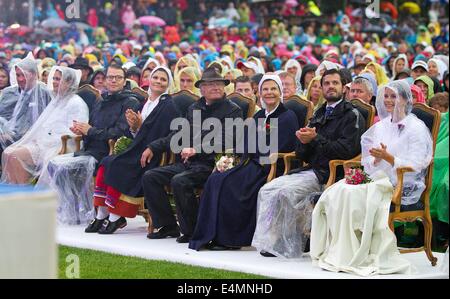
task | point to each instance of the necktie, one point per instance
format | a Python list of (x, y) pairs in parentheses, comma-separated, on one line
[(328, 111)]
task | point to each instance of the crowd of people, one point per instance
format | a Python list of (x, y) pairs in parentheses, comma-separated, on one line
[(132, 82)]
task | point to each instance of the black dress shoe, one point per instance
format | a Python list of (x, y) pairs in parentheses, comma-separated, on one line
[(183, 239), (165, 232), (109, 227), (266, 254), (95, 225), (218, 247)]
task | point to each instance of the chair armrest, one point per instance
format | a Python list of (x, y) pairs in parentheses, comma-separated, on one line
[(273, 166), (397, 196), (333, 164), (64, 141), (287, 159)]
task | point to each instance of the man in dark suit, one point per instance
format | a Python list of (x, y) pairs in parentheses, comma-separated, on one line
[(195, 166)]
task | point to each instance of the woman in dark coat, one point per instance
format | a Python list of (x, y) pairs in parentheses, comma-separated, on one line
[(227, 212), (121, 174)]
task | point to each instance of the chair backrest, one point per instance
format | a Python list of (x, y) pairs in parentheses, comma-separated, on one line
[(367, 111), (302, 108), (183, 99), (90, 95), (246, 104), (432, 119), (141, 92)]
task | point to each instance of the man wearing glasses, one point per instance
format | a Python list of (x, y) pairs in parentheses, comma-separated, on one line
[(71, 174), (192, 170)]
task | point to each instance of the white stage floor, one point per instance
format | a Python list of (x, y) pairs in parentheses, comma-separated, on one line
[(132, 241)]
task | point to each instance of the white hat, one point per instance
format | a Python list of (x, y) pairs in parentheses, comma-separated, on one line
[(420, 63), (248, 64)]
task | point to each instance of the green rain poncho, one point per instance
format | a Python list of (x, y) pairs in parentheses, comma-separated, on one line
[(439, 191)]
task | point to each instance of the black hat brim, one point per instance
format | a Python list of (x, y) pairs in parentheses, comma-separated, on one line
[(225, 81)]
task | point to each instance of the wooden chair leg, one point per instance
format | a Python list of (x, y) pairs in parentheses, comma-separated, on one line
[(150, 223), (428, 228)]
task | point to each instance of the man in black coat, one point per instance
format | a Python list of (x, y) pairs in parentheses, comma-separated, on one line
[(195, 166), (334, 132), (71, 174)]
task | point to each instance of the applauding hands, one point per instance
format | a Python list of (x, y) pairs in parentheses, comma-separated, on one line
[(80, 128), (306, 135), (134, 120)]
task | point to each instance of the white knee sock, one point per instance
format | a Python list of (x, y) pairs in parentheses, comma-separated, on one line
[(113, 217), (102, 213)]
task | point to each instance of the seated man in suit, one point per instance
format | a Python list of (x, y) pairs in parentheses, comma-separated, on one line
[(196, 166), (22, 103), (284, 212)]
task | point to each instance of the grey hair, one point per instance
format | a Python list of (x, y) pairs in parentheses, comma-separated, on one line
[(366, 83)]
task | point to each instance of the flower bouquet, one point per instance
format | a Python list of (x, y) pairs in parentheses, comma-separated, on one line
[(122, 144), (226, 162), (356, 176)]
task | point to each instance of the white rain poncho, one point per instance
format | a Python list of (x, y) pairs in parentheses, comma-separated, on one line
[(396, 61), (294, 63), (406, 137), (26, 158), (350, 231), (441, 66), (327, 65), (22, 103)]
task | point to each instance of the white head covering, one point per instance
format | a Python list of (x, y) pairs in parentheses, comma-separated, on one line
[(401, 56), (70, 79), (442, 67), (150, 60), (171, 86), (277, 81), (291, 63), (327, 65), (403, 101)]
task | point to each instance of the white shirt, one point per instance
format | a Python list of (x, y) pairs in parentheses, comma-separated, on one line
[(267, 113), (334, 104)]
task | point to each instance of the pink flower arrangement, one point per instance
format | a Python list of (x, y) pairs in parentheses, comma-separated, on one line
[(356, 176)]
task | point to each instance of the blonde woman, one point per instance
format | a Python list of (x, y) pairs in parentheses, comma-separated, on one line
[(186, 61), (186, 78), (232, 75), (314, 93)]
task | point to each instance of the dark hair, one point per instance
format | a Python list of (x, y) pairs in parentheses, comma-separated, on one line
[(346, 75), (116, 67), (332, 72), (5, 69), (441, 99), (134, 70), (256, 78), (242, 79)]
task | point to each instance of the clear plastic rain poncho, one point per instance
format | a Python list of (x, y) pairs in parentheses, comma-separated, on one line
[(26, 158), (406, 138), (22, 103)]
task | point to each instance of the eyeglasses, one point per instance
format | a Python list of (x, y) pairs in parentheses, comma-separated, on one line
[(117, 78)]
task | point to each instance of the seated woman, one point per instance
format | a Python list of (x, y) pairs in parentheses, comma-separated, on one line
[(24, 160), (121, 174), (314, 93), (349, 224), (186, 78), (227, 212)]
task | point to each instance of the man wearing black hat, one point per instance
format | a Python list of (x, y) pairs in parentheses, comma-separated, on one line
[(82, 64), (193, 169)]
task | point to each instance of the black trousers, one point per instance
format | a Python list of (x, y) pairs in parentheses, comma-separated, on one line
[(183, 179)]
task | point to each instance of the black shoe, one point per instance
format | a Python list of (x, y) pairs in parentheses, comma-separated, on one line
[(109, 227), (218, 247), (95, 225), (183, 239), (266, 254), (165, 232)]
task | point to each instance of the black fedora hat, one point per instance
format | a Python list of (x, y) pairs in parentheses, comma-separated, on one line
[(211, 75), (81, 63)]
